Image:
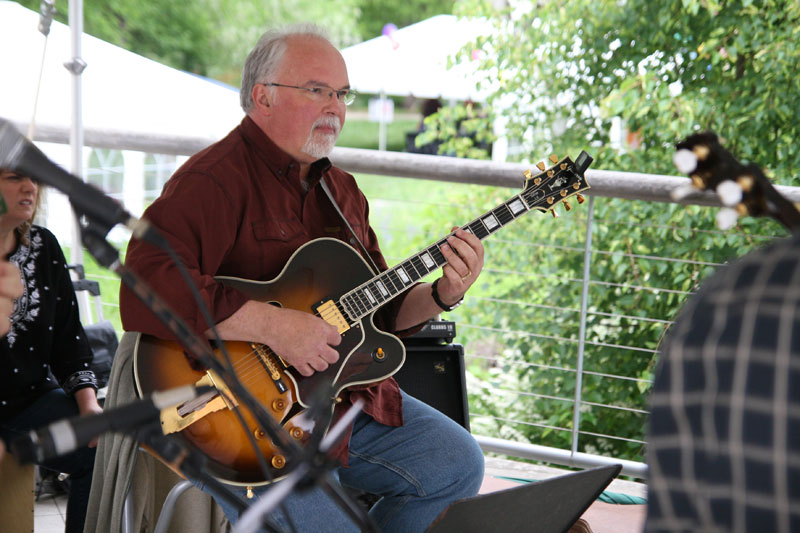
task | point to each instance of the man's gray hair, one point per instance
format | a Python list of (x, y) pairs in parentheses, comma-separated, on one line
[(264, 60)]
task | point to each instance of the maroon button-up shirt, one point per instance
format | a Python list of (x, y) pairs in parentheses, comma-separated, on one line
[(238, 209)]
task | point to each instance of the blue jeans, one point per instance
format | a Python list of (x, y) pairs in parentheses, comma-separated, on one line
[(51, 406), (417, 469)]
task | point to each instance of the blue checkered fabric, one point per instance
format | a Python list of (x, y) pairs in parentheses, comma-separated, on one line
[(724, 440)]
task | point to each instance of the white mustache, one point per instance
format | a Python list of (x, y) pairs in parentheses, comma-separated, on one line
[(328, 122)]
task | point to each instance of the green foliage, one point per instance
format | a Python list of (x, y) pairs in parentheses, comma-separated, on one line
[(207, 37), (239, 24), (666, 68), (180, 34), (563, 72), (462, 130), (377, 13)]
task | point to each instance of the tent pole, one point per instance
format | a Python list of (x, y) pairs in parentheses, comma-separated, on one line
[(76, 67), (382, 123)]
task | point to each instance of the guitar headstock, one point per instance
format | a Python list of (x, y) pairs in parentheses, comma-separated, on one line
[(742, 189), (544, 191)]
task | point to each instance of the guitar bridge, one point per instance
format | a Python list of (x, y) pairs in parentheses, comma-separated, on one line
[(331, 314)]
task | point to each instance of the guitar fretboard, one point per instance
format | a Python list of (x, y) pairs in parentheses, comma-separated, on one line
[(369, 296)]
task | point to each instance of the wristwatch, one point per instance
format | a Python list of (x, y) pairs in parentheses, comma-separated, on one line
[(439, 302)]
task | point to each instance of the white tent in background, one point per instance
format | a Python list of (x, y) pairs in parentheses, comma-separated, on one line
[(122, 91), (413, 61)]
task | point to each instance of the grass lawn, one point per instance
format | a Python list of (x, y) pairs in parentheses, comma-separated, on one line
[(359, 133)]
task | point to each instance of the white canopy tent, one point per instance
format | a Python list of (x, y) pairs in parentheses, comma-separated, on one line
[(122, 91), (414, 60)]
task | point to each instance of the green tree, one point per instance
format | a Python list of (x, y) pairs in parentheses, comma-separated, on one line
[(179, 34), (666, 68), (374, 14), (207, 37), (562, 74)]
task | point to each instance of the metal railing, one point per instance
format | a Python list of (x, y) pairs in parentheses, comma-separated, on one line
[(605, 184)]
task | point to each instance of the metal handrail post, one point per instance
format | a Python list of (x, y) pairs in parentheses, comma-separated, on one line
[(587, 261)]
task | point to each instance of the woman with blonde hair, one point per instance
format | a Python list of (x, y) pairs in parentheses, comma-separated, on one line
[(45, 356)]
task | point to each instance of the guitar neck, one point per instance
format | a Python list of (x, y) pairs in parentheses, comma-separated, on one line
[(541, 193)]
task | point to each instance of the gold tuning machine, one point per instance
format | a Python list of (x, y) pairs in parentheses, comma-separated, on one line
[(745, 182), (554, 158), (528, 175), (580, 198), (540, 165), (701, 151), (553, 212), (741, 210), (566, 205)]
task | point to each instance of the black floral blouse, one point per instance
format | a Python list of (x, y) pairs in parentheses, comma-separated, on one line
[(46, 346)]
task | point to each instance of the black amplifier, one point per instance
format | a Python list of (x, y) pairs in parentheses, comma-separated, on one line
[(439, 331)]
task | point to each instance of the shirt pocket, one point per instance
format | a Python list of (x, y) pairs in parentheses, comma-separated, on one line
[(276, 240), (279, 230)]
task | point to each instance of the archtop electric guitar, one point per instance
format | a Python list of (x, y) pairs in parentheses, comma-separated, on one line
[(330, 279)]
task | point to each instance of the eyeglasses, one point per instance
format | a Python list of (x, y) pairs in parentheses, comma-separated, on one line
[(321, 93)]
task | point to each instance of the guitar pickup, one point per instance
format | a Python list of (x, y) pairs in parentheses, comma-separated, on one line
[(331, 314)]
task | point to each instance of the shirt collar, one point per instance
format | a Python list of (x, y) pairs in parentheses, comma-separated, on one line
[(279, 162)]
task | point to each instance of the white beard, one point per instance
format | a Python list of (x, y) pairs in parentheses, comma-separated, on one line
[(319, 145)]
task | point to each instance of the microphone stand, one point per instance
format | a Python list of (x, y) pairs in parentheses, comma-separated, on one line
[(314, 466), (188, 462), (313, 469)]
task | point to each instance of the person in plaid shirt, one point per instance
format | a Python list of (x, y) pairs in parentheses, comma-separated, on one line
[(724, 439)]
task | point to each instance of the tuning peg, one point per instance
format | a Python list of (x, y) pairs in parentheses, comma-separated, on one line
[(550, 200), (701, 151), (745, 182), (685, 161), (697, 181), (540, 165), (741, 209), (563, 192), (563, 166), (553, 211), (554, 158), (580, 198), (537, 181), (726, 218), (567, 206), (682, 192), (528, 175), (729, 193), (550, 173)]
